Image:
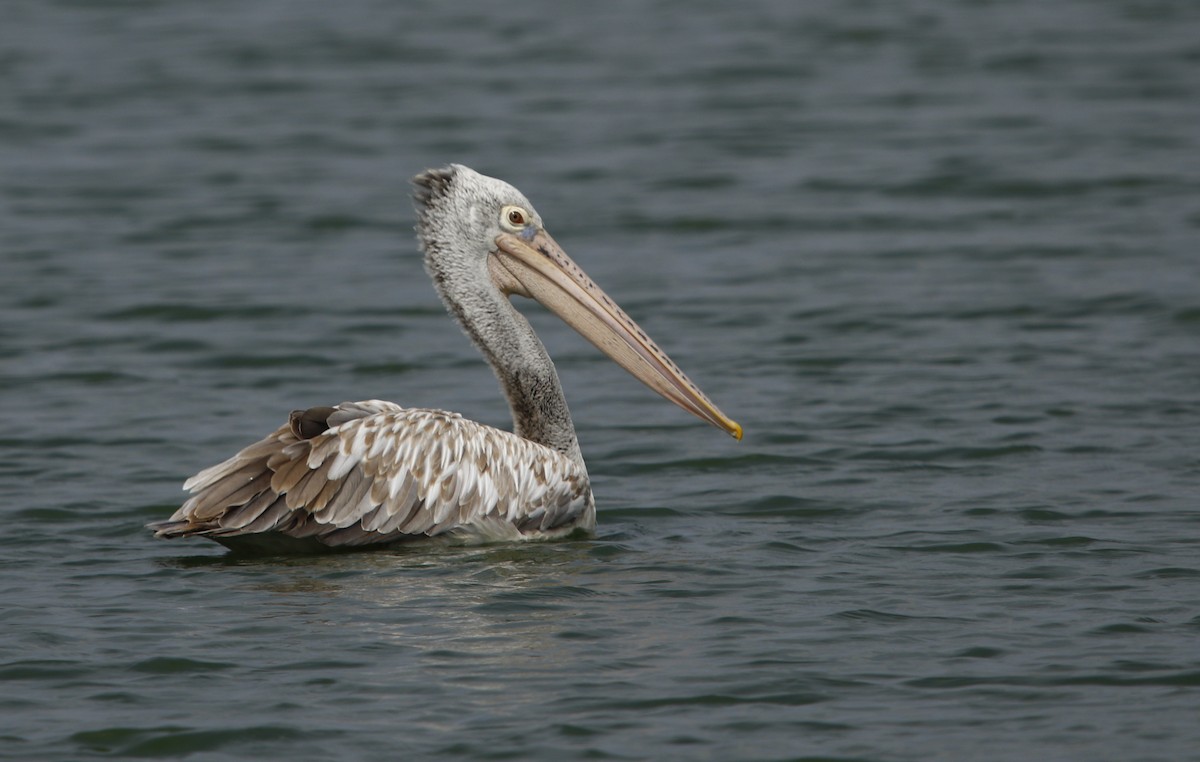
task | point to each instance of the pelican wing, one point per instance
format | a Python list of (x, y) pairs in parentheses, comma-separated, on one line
[(372, 472)]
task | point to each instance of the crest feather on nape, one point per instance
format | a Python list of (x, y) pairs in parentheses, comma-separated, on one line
[(433, 184)]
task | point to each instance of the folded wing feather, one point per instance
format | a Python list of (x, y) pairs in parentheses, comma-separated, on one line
[(372, 472)]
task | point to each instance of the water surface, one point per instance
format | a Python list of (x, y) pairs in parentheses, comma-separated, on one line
[(938, 259)]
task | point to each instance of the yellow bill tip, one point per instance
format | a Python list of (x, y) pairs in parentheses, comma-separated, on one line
[(735, 429)]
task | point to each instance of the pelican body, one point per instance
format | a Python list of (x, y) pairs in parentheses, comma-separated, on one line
[(375, 473)]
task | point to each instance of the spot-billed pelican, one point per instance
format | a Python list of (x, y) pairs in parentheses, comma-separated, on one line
[(371, 473)]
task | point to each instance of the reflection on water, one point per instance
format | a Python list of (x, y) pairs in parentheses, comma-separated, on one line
[(496, 605)]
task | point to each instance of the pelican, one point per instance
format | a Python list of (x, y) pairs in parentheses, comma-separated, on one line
[(375, 473)]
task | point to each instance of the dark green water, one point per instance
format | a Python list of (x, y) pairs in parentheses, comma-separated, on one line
[(939, 258)]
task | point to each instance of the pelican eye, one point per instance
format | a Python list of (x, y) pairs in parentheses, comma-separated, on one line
[(513, 218)]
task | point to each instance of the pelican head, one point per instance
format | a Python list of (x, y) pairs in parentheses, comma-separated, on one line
[(483, 238)]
